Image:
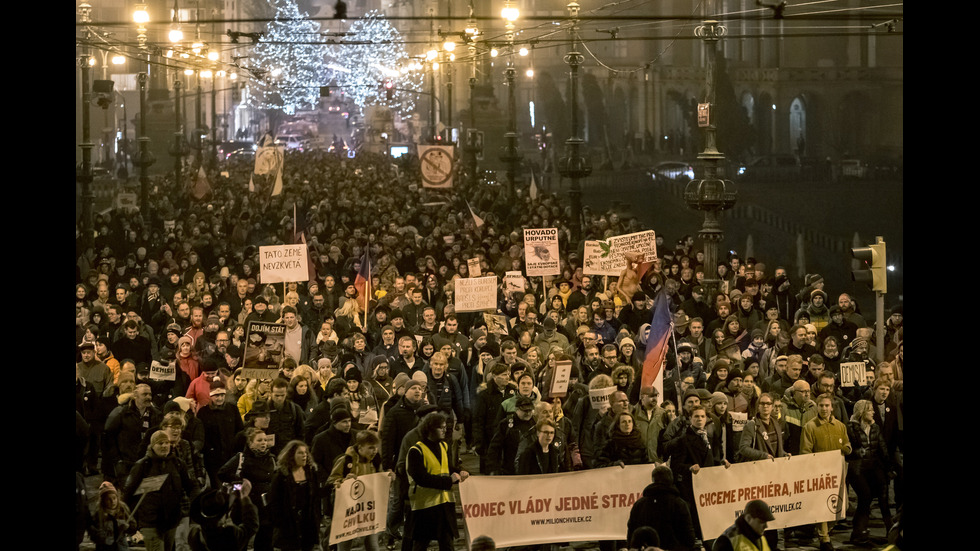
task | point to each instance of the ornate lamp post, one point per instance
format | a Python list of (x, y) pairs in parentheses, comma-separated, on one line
[(84, 173), (573, 165), (145, 158), (510, 153), (711, 194)]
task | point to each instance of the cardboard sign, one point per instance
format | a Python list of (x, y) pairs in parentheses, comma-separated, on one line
[(853, 373), (163, 372), (514, 282), (739, 420), (259, 374), (474, 267), (496, 323), (475, 294), (151, 484), (606, 257), (599, 397), (541, 252), (563, 375), (360, 507), (283, 263), (264, 344)]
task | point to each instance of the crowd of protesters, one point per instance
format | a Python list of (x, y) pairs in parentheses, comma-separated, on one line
[(410, 380)]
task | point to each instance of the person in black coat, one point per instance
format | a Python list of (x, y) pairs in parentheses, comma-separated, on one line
[(689, 452), (543, 457), (221, 424), (663, 509), (160, 511), (258, 466), (294, 499)]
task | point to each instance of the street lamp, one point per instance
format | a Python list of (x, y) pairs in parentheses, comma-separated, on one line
[(573, 165), (711, 194), (510, 153)]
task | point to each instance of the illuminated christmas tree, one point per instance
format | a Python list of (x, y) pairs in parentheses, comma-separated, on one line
[(371, 54), (290, 59)]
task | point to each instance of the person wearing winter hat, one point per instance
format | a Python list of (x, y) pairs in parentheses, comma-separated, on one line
[(111, 523), (221, 423), (333, 440)]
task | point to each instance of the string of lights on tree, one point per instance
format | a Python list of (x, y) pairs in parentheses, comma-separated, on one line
[(372, 53), (290, 60)]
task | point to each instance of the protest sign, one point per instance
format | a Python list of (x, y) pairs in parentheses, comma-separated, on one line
[(360, 507), (526, 510), (163, 371), (541, 252), (259, 374), (599, 397), (473, 265), (803, 489), (496, 324), (514, 282), (150, 484), (563, 374), (283, 263), (739, 420), (475, 294), (853, 373), (606, 257), (436, 165), (264, 344)]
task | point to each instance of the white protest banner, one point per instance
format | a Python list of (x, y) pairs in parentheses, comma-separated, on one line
[(525, 510), (803, 489), (514, 282), (283, 263), (163, 372), (739, 420), (606, 257), (563, 375), (361, 507), (853, 373), (264, 344), (541, 252), (599, 397), (473, 265), (475, 294)]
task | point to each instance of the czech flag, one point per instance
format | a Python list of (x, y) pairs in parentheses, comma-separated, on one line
[(661, 325), (363, 281)]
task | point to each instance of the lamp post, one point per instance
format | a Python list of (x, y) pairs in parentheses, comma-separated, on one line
[(84, 174), (177, 149), (710, 194), (145, 158), (510, 153), (573, 165)]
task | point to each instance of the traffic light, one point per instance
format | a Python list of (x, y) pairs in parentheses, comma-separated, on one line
[(340, 10), (873, 257), (324, 91), (389, 90)]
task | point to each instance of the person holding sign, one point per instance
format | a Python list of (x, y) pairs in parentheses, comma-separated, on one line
[(824, 433), (165, 500), (359, 460)]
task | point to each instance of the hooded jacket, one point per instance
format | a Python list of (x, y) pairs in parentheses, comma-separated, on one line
[(663, 509)]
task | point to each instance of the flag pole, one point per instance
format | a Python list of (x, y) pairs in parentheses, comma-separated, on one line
[(677, 367)]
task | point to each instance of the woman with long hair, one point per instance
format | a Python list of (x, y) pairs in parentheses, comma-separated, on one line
[(295, 499), (867, 469)]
